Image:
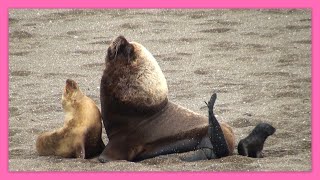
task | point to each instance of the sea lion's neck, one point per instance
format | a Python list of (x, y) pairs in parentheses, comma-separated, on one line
[(117, 107), (117, 116)]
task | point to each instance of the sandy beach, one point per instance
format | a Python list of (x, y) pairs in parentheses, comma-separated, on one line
[(258, 62)]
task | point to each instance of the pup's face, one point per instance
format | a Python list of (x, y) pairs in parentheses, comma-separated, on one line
[(70, 92), (270, 129), (120, 50), (265, 128)]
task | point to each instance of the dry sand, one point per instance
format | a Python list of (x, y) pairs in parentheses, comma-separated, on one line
[(258, 61)]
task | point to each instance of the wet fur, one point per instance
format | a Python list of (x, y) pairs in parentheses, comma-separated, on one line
[(215, 133), (252, 145), (80, 136)]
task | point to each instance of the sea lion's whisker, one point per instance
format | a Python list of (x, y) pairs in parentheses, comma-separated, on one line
[(117, 48), (128, 58)]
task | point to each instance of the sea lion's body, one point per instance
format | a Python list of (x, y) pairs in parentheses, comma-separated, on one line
[(139, 120), (80, 136)]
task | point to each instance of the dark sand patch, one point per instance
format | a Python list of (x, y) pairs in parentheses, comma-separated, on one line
[(216, 30), (20, 35)]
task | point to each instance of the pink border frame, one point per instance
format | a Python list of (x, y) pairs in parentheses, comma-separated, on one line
[(5, 5)]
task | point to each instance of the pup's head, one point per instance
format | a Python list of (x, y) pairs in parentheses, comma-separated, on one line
[(264, 128), (70, 94)]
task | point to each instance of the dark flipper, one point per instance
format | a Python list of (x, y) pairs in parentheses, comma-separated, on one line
[(219, 144), (198, 155)]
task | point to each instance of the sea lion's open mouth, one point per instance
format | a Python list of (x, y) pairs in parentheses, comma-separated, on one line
[(120, 49)]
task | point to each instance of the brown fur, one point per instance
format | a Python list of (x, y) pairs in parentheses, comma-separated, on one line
[(139, 81), (80, 135), (140, 121), (229, 136)]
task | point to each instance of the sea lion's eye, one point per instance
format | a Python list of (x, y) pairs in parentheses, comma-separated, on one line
[(110, 55), (130, 52)]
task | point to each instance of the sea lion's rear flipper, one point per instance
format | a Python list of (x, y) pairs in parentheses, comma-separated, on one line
[(215, 133)]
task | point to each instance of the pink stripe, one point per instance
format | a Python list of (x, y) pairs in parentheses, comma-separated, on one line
[(315, 87), (4, 89), (5, 4), (158, 4)]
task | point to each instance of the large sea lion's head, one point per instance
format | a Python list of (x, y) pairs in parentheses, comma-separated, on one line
[(71, 93), (133, 74)]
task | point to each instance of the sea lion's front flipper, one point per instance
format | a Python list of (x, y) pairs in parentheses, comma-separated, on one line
[(80, 151), (215, 133), (116, 149), (104, 157)]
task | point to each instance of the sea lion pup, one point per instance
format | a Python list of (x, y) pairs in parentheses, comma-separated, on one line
[(139, 120), (80, 136), (252, 145)]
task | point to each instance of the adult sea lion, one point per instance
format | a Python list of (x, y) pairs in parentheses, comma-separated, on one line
[(80, 136), (139, 120), (252, 145)]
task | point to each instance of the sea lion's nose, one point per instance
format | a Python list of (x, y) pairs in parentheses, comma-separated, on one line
[(120, 40), (121, 37)]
